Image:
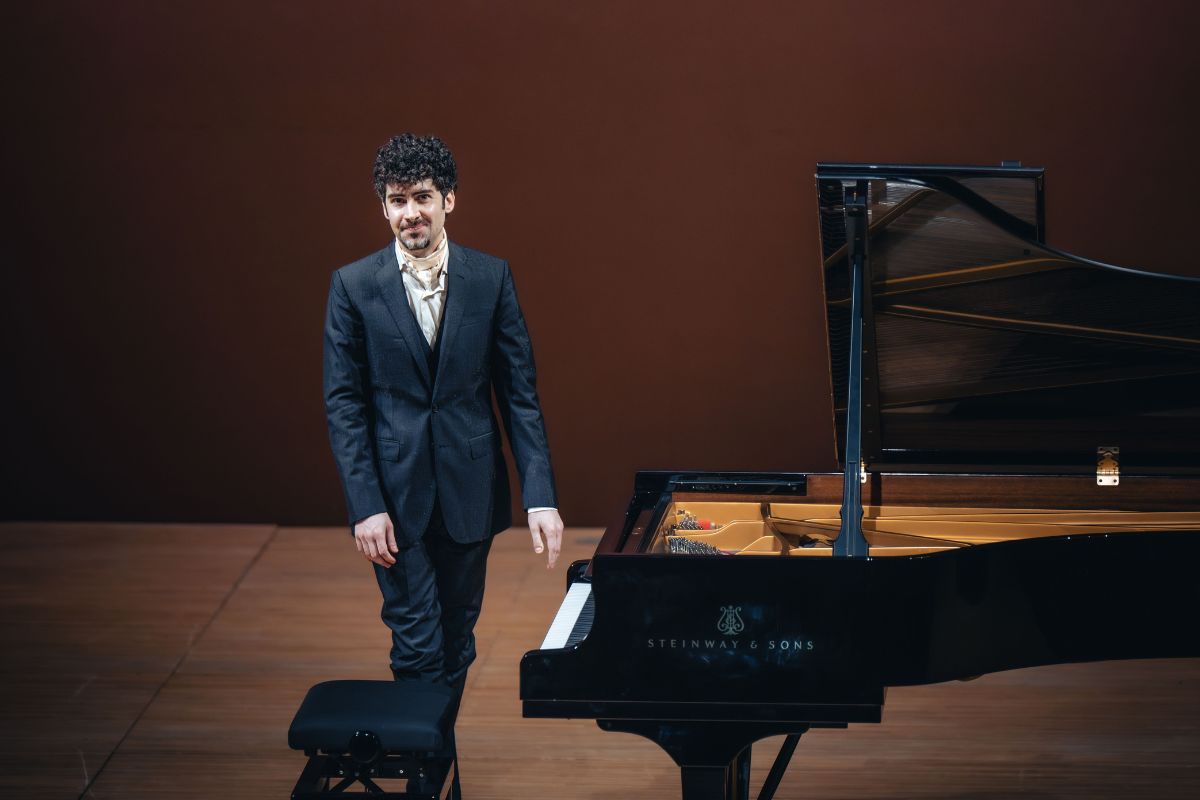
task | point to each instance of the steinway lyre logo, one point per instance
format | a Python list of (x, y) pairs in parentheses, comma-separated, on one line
[(730, 623)]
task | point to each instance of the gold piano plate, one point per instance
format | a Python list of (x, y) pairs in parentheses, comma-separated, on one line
[(808, 529)]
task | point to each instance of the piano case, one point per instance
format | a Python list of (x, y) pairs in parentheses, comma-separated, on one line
[(1016, 427)]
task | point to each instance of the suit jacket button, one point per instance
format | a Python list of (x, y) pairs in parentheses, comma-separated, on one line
[(435, 408)]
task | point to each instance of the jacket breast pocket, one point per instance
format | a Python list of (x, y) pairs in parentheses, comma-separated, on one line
[(387, 449), (483, 445)]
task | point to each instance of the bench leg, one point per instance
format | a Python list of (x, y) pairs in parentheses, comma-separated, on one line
[(312, 779)]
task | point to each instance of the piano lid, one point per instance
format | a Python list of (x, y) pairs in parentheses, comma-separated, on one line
[(987, 350)]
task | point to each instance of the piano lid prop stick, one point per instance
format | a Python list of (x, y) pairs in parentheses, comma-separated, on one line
[(851, 542)]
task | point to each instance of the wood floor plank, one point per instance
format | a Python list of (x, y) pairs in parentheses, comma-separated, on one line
[(93, 619), (308, 611)]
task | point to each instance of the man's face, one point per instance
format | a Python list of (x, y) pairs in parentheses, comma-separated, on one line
[(417, 213)]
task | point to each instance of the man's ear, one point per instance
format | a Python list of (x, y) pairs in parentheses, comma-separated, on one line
[(448, 201), (383, 205)]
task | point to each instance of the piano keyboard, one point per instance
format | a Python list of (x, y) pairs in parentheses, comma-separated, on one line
[(574, 618)]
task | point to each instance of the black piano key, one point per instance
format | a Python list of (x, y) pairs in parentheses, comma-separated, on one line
[(583, 623)]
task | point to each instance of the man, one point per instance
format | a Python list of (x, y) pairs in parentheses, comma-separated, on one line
[(418, 336)]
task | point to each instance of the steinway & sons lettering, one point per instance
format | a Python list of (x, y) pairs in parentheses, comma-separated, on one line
[(778, 645), (730, 623)]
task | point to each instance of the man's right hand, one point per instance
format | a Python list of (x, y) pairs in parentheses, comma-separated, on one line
[(375, 538)]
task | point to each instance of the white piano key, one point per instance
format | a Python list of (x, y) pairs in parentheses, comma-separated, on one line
[(568, 612)]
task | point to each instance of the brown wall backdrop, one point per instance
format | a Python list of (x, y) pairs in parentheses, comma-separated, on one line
[(182, 177)]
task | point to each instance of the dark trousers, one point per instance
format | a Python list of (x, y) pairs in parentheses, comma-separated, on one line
[(431, 601)]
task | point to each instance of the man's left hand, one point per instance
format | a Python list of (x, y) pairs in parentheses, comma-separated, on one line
[(547, 524)]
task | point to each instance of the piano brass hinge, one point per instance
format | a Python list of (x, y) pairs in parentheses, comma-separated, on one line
[(862, 472), (1108, 466)]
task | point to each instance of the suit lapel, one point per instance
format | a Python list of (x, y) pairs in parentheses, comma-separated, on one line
[(391, 288), (458, 284)]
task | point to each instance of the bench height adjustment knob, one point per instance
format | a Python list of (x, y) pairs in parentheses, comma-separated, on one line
[(364, 747)]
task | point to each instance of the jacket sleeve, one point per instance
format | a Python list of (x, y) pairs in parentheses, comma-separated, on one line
[(514, 380), (346, 404)]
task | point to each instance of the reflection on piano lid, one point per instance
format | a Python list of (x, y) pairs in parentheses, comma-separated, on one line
[(985, 346), (1017, 425)]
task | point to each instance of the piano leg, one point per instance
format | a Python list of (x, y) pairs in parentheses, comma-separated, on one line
[(739, 775), (706, 783), (713, 757)]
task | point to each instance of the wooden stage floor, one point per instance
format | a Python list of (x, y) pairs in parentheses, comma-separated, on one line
[(167, 660)]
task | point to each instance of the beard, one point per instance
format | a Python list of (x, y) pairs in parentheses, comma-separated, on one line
[(419, 243)]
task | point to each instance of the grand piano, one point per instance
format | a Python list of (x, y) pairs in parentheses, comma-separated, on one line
[(1018, 430)]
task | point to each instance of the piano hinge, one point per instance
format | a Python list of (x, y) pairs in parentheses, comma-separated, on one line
[(1108, 466), (862, 472)]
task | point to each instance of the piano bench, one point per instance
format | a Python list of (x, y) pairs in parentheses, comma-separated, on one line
[(363, 731)]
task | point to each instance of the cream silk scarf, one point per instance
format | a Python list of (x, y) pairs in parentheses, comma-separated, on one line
[(425, 285)]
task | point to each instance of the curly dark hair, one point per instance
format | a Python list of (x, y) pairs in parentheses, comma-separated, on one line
[(407, 159)]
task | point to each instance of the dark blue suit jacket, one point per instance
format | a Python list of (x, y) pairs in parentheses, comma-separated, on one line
[(403, 433)]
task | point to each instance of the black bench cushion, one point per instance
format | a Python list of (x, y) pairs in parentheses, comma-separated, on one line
[(407, 716)]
